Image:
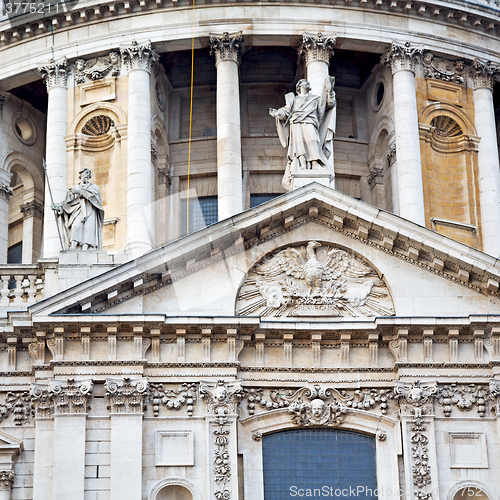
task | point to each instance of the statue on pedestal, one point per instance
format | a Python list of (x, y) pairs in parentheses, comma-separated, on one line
[(80, 216), (306, 126)]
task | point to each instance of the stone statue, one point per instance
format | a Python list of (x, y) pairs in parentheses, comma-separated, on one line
[(306, 126), (80, 216)]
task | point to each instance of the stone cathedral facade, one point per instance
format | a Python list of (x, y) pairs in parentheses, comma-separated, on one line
[(234, 340)]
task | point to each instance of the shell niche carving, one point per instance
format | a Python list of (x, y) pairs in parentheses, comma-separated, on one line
[(313, 280)]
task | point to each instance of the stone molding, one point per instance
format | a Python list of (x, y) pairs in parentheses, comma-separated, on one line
[(6, 480), (97, 68), (32, 209), (317, 47), (401, 57), (483, 74), (227, 47), (55, 74), (127, 395), (139, 56), (5, 192)]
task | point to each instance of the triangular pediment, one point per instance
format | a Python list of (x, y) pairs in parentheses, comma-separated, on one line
[(216, 260)]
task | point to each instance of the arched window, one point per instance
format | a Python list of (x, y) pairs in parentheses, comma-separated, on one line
[(329, 463)]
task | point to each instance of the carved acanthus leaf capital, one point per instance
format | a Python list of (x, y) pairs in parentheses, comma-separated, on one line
[(483, 74), (317, 47), (227, 47), (32, 209), (401, 57), (5, 192), (127, 395), (70, 397), (55, 74), (6, 480), (139, 56)]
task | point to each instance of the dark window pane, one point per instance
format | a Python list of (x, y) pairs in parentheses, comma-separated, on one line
[(202, 212), (15, 254), (328, 463), (258, 199)]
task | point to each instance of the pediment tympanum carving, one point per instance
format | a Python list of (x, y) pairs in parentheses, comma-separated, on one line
[(314, 279)]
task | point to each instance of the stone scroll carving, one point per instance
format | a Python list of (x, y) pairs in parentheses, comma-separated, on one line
[(313, 280), (97, 68), (443, 69)]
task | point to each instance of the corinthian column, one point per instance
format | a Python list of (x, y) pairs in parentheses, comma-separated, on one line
[(55, 76), (316, 50), (401, 59), (227, 50), (489, 175), (5, 194), (6, 482), (140, 179)]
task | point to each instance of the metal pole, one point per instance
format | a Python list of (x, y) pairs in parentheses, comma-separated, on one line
[(52, 203)]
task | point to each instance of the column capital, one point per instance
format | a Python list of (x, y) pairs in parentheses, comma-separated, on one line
[(227, 47), (401, 57), (5, 192), (55, 74), (483, 74), (139, 56), (316, 47), (6, 480), (4, 97), (127, 395), (32, 209)]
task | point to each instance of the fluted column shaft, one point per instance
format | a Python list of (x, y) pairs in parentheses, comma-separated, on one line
[(140, 177), (55, 76), (409, 169), (227, 50), (489, 166)]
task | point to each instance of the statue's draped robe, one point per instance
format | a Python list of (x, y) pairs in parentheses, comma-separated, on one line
[(308, 129), (82, 217)]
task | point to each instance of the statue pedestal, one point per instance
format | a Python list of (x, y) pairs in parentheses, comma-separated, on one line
[(304, 178)]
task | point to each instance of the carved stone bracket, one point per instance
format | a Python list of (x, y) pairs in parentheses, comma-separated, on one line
[(18, 404), (5, 192), (97, 68), (317, 47), (376, 176), (127, 396), (172, 399), (401, 57), (391, 155), (32, 209), (227, 47), (6, 480), (483, 74), (55, 73), (442, 69), (164, 176), (139, 56)]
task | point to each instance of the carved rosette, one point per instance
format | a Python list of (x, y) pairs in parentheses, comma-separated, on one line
[(97, 68), (401, 57), (442, 69), (317, 47), (483, 74), (32, 209), (6, 480), (139, 56), (127, 396), (227, 47), (5, 192), (55, 74)]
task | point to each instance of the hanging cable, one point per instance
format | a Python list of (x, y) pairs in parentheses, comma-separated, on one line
[(190, 123)]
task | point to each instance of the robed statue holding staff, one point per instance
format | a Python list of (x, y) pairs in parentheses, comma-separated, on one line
[(306, 126), (80, 216)]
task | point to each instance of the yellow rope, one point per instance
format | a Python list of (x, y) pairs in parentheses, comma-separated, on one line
[(190, 123)]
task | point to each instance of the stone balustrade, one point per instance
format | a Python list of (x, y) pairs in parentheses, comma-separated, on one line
[(21, 284)]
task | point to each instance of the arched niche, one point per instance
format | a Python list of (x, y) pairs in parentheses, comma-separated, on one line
[(450, 173), (467, 489), (174, 489)]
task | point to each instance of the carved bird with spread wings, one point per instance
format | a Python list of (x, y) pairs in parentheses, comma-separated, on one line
[(304, 263)]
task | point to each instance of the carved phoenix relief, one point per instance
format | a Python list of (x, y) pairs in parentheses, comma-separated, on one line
[(313, 280)]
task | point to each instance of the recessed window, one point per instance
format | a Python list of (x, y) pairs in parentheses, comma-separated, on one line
[(258, 199), (202, 212), (318, 463), (24, 129), (15, 254), (380, 93)]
